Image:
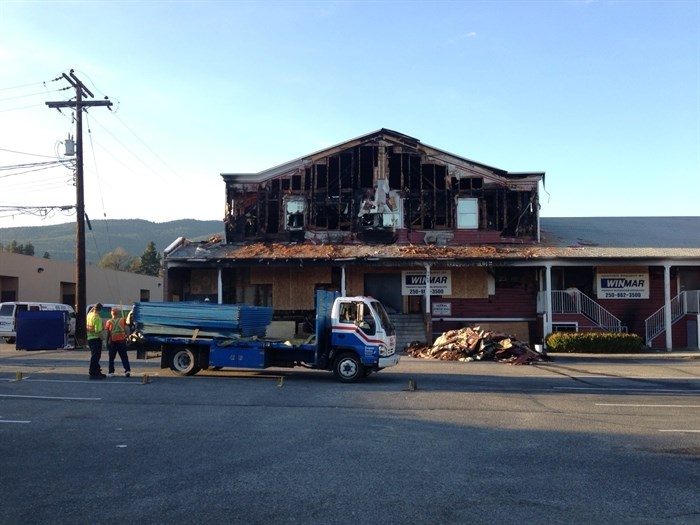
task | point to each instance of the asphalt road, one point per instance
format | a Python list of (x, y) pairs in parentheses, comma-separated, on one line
[(582, 439)]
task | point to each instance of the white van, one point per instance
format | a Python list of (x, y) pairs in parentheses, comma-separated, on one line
[(8, 316)]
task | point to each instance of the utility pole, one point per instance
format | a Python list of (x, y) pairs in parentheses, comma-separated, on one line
[(80, 267)]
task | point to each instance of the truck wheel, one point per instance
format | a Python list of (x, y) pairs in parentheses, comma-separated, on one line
[(183, 361), (347, 368)]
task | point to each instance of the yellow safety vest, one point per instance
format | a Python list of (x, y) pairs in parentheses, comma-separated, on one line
[(94, 325)]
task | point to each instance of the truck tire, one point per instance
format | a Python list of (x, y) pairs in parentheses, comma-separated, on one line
[(184, 362), (347, 368)]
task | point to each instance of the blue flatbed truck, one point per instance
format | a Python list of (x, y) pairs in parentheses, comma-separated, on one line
[(354, 337)]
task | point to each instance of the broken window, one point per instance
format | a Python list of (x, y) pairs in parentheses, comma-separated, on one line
[(295, 213)]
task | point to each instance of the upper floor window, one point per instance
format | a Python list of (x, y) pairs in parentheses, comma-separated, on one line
[(467, 213), (295, 211)]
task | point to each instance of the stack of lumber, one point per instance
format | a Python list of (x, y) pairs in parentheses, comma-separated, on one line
[(475, 344), (207, 320)]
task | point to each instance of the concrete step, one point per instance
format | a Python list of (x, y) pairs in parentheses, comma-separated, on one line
[(409, 328)]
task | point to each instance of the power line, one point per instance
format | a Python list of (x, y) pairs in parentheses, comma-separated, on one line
[(31, 95), (38, 165), (147, 147), (37, 211), (22, 86), (23, 153)]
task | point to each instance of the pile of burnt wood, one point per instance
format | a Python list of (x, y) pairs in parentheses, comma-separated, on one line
[(475, 344)]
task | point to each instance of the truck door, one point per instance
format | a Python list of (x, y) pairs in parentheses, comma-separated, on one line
[(365, 319)]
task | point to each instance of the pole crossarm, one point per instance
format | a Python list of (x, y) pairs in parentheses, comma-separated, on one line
[(75, 103)]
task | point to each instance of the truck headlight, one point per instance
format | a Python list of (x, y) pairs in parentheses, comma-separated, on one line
[(384, 351)]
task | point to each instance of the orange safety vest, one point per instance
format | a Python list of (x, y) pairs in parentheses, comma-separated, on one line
[(117, 330)]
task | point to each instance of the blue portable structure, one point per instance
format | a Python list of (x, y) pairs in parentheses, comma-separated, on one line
[(42, 329), (195, 336)]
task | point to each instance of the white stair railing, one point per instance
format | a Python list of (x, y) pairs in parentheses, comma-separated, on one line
[(686, 302), (573, 301)]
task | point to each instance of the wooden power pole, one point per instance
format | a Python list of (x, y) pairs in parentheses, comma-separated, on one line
[(78, 105)]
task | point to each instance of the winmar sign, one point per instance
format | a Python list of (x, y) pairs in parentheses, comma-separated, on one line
[(413, 283), (623, 286)]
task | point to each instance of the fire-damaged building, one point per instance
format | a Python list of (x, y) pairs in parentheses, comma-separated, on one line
[(444, 242)]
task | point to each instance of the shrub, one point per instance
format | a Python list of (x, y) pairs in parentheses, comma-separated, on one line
[(593, 343)]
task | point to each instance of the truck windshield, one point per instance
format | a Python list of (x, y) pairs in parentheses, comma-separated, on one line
[(383, 317)]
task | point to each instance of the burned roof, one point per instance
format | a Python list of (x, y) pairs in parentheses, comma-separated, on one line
[(382, 136), (612, 239)]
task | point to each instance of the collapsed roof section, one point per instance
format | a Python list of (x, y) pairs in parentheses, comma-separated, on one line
[(216, 254), (383, 187)]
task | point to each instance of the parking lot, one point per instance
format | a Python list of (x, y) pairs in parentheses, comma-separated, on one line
[(582, 439)]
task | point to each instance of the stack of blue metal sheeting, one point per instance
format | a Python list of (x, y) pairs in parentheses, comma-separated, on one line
[(213, 320)]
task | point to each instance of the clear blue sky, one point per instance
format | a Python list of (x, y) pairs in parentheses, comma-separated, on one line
[(602, 96)]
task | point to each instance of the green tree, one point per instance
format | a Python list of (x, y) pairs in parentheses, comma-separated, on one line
[(28, 249), (119, 259), (135, 265), (150, 261), (47, 255)]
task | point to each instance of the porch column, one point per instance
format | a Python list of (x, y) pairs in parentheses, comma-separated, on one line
[(219, 288), (668, 320), (342, 281), (547, 299), (427, 288)]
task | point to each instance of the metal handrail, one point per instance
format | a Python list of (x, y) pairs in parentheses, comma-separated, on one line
[(574, 301), (684, 303)]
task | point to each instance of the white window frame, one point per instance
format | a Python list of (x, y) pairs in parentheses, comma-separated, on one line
[(467, 213)]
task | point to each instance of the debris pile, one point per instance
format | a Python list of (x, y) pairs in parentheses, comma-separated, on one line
[(475, 344)]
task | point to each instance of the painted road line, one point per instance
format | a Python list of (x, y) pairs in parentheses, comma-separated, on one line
[(111, 381), (644, 405), (681, 430), (644, 390), (12, 421), (51, 397)]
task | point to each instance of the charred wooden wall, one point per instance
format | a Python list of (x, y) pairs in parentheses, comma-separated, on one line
[(337, 188)]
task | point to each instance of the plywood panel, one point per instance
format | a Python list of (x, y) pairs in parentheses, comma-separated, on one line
[(354, 281), (294, 287), (470, 283)]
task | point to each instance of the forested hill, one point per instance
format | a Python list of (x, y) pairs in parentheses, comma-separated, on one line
[(104, 236)]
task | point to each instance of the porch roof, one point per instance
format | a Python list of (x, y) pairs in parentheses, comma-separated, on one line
[(592, 240)]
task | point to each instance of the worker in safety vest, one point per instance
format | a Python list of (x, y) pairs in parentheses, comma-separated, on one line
[(117, 332), (94, 339)]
